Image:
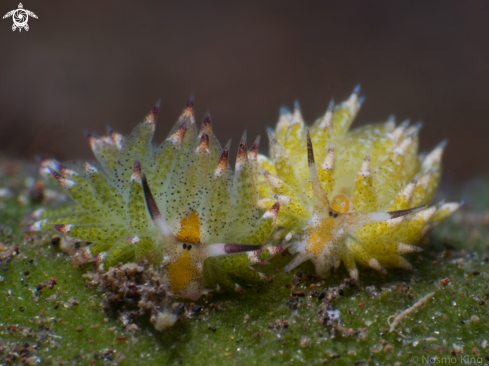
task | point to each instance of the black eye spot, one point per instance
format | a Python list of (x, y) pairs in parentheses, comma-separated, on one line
[(184, 246), (189, 247), (335, 215), (330, 213)]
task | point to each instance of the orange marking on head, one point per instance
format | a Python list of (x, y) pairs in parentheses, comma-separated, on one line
[(341, 204), (181, 272), (190, 230), (319, 236)]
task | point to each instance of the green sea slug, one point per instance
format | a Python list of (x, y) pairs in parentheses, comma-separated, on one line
[(177, 204)]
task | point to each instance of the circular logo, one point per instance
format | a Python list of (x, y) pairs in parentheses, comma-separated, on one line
[(20, 18)]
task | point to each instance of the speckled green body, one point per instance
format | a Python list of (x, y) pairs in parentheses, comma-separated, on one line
[(200, 198)]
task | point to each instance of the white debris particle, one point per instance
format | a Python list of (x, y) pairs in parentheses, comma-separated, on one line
[(458, 348), (305, 341), (377, 347), (474, 318), (412, 309), (164, 320)]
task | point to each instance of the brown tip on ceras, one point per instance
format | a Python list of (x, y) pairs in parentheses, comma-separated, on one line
[(242, 150), (89, 169), (116, 138), (272, 212), (253, 153), (275, 209), (179, 134), (153, 114), (136, 172), (189, 107), (46, 166), (222, 165), (204, 143), (92, 140), (65, 172), (64, 182), (207, 122), (156, 107), (61, 180), (63, 228)]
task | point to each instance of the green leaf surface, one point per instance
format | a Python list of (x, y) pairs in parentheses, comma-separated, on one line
[(67, 325)]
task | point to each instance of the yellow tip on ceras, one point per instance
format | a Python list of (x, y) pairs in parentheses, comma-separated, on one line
[(368, 208)]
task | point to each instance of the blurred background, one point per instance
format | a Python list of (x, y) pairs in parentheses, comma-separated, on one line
[(83, 65)]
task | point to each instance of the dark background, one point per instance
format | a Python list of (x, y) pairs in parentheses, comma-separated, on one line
[(85, 64)]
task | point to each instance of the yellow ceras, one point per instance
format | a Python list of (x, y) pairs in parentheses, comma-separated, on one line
[(359, 197)]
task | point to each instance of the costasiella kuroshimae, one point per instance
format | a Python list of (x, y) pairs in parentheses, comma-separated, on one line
[(330, 223), (183, 263), (202, 201), (350, 195)]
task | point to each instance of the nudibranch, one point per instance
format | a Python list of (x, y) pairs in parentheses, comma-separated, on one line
[(177, 204), (356, 196)]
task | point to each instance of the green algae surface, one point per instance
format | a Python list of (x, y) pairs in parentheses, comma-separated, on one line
[(50, 316)]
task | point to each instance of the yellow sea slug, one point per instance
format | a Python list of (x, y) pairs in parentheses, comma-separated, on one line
[(351, 196)]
